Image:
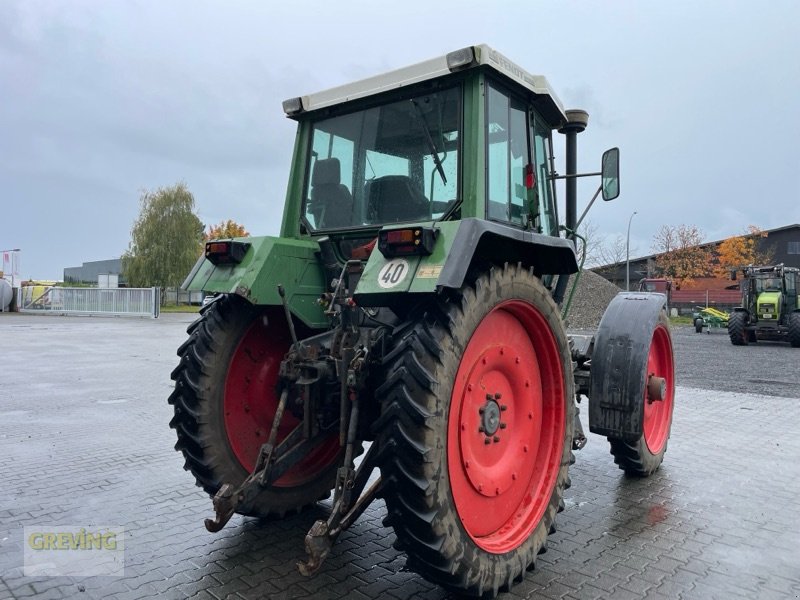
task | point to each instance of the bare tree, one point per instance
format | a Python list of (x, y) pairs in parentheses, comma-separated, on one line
[(589, 247)]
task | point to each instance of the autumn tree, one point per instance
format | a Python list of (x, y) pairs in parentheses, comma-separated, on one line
[(166, 239), (746, 249), (680, 255), (226, 229)]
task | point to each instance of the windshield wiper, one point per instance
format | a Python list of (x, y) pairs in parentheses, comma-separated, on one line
[(431, 144)]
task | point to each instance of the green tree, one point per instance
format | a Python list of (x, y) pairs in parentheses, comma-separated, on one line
[(166, 239)]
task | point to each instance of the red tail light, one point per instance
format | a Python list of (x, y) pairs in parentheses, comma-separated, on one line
[(411, 241), (226, 252)]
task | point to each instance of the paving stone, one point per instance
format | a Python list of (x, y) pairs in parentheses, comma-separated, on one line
[(717, 521)]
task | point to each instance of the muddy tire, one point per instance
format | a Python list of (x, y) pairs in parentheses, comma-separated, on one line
[(737, 328), (794, 329), (224, 402), (643, 457), (475, 432)]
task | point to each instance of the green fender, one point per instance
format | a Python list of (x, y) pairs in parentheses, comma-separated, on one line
[(268, 263), (457, 243)]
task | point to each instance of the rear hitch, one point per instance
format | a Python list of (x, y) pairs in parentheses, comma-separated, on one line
[(350, 483), (322, 535), (272, 462)]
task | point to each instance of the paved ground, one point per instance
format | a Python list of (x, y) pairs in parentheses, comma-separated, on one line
[(84, 441)]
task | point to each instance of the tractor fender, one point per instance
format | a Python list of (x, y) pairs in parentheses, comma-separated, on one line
[(618, 373), (268, 263), (458, 245), (477, 238)]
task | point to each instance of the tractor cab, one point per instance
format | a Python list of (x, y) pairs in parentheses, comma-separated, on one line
[(391, 149)]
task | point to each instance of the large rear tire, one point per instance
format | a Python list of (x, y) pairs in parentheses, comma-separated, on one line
[(644, 456), (737, 328), (225, 401), (794, 329), (476, 430)]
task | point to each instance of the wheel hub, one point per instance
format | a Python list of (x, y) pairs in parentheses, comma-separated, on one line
[(490, 415)]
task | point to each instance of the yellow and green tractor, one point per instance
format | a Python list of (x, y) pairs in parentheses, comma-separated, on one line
[(770, 306)]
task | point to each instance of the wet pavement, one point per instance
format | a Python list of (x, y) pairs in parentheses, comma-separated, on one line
[(84, 441)]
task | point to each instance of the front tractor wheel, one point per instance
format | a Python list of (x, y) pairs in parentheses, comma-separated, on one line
[(737, 328), (794, 329), (643, 456), (476, 431), (225, 401)]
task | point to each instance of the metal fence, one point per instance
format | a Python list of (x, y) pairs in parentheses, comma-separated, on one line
[(140, 302)]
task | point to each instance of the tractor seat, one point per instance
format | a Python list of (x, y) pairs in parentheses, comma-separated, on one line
[(395, 199), (331, 201)]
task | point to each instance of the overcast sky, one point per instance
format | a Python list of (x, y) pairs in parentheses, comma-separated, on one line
[(100, 100)]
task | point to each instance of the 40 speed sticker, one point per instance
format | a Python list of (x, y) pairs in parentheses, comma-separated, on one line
[(393, 273)]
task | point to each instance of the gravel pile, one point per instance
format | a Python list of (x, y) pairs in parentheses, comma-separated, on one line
[(593, 295)]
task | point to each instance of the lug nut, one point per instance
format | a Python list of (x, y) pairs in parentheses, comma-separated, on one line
[(481, 429), (503, 407), (503, 425), (482, 410), (496, 439), (487, 441), (498, 395)]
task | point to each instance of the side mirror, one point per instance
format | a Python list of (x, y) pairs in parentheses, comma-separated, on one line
[(610, 174)]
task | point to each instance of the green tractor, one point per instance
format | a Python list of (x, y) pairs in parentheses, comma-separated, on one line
[(404, 337), (770, 306)]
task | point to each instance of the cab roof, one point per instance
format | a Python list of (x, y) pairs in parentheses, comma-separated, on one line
[(471, 57)]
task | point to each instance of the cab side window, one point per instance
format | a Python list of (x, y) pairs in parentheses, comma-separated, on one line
[(507, 155)]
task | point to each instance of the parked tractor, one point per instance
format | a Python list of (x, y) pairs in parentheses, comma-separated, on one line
[(409, 321), (770, 306)]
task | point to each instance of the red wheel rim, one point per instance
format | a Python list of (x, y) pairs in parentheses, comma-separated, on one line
[(249, 402), (501, 488), (658, 413)]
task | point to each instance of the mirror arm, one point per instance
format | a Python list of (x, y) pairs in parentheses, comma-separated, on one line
[(573, 176), (586, 210)]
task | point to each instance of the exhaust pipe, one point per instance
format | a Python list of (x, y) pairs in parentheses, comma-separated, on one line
[(577, 120)]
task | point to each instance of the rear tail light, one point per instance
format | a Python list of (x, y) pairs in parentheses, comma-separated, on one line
[(226, 252), (411, 241)]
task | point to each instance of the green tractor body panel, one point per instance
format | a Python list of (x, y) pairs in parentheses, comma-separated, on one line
[(268, 263), (405, 274), (769, 306)]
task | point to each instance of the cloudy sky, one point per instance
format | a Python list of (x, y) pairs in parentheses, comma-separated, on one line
[(101, 100)]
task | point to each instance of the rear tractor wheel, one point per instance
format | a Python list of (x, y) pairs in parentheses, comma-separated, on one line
[(225, 401), (476, 430)]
